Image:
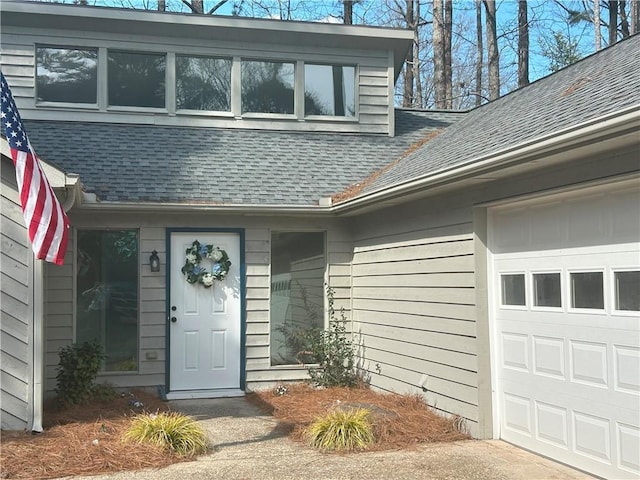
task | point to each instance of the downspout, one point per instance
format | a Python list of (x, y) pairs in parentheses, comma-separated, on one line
[(72, 192)]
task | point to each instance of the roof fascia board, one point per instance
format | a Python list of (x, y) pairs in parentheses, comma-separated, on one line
[(590, 131)]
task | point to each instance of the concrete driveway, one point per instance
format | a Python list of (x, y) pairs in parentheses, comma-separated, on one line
[(247, 445)]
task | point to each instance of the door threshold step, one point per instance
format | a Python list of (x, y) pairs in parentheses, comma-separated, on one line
[(217, 393)]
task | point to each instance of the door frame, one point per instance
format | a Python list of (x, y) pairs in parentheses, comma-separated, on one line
[(243, 301)]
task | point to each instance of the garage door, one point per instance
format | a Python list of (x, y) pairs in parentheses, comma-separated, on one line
[(565, 293)]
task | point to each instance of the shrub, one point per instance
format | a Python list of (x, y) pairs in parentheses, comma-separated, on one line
[(179, 433), (333, 352), (342, 430), (77, 369)]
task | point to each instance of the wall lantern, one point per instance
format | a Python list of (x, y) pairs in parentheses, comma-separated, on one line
[(154, 262)]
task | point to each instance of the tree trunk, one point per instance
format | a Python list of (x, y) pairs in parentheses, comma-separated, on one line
[(596, 24), (348, 11), (480, 53), (448, 73), (635, 17), (407, 97), (419, 103), (492, 50), (439, 77), (523, 44), (613, 21), (624, 21), (162, 5)]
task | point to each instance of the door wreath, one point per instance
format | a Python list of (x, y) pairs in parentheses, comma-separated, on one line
[(196, 273)]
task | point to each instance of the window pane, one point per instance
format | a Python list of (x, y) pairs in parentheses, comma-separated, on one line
[(107, 295), (267, 87), (66, 75), (329, 90), (297, 294), (136, 79), (547, 290), (628, 291), (586, 290), (513, 289), (203, 83)]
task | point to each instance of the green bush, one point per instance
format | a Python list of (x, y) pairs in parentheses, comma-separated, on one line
[(342, 430), (333, 352), (77, 369), (179, 433)]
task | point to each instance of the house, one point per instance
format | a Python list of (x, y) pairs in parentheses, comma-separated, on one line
[(487, 260)]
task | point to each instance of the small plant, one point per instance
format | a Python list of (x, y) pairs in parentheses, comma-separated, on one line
[(102, 392), (179, 433), (77, 369), (333, 351), (342, 430)]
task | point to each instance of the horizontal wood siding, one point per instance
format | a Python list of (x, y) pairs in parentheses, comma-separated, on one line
[(16, 310), (152, 354), (17, 49), (414, 305)]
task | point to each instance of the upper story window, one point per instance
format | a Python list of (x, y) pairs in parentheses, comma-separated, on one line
[(66, 75), (99, 78), (203, 83), (268, 87), (329, 90), (136, 79)]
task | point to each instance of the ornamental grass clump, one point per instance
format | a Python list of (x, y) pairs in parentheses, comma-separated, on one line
[(342, 430), (174, 431)]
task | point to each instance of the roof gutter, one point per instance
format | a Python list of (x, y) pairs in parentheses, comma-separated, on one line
[(620, 122)]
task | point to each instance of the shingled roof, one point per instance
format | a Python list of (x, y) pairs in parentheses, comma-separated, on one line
[(603, 83), (148, 164)]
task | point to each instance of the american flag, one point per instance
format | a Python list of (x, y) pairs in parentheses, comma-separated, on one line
[(44, 217)]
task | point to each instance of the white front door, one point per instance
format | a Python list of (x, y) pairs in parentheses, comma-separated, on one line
[(205, 323)]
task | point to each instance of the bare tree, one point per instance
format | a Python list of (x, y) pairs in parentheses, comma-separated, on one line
[(416, 56), (613, 21), (479, 54), (347, 6), (493, 55), (439, 54), (448, 73), (408, 98), (523, 44), (635, 16), (624, 21), (596, 24)]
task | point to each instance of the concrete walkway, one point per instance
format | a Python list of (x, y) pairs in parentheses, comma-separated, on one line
[(247, 445)]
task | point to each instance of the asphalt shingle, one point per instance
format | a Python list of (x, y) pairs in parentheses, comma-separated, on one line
[(603, 83), (142, 163)]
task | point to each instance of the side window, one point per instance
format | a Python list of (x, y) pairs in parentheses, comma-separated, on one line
[(67, 75), (267, 87), (627, 290), (136, 79), (513, 289), (587, 290), (329, 90), (107, 295), (298, 264), (203, 83), (547, 290)]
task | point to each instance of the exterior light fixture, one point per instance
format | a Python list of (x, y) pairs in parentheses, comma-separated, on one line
[(154, 262)]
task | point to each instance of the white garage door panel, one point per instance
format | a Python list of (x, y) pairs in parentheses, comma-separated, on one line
[(568, 379)]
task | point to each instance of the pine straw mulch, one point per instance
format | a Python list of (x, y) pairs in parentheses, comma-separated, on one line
[(399, 421), (68, 444)]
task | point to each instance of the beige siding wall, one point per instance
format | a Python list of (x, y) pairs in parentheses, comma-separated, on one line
[(414, 301), (372, 83), (16, 310), (259, 373)]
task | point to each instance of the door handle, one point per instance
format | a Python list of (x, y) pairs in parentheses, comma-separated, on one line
[(174, 319)]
